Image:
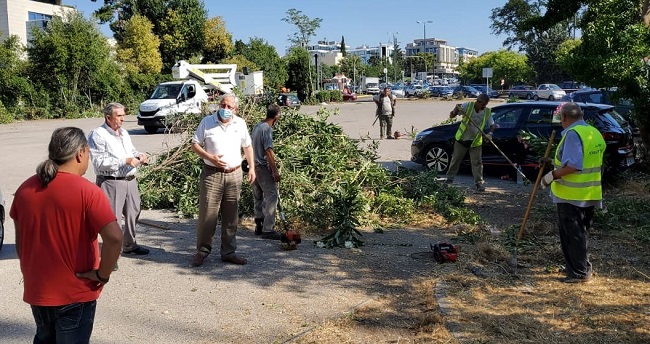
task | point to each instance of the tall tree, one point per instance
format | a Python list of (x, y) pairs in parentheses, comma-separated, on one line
[(538, 43), (267, 59), (299, 70), (14, 84), (76, 56), (343, 51), (218, 41), (305, 27), (138, 50), (180, 24)]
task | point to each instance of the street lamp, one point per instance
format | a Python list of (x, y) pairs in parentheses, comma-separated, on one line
[(424, 44)]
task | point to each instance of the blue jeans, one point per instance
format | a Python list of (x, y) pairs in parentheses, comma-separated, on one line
[(71, 323)]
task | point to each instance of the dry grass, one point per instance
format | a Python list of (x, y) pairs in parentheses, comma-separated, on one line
[(488, 301)]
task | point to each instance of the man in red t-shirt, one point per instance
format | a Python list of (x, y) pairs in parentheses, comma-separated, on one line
[(58, 215)]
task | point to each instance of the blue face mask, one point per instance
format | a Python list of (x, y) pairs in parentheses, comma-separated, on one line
[(225, 114)]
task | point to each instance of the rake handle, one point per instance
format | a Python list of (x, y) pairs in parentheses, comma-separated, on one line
[(539, 178)]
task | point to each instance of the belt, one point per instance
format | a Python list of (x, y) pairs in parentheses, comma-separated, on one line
[(220, 169), (127, 178)]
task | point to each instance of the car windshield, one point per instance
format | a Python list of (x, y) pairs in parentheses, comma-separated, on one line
[(603, 119), (166, 92), (554, 87)]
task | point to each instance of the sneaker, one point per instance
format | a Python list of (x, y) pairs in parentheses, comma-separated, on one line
[(480, 188), (271, 235), (390, 138)]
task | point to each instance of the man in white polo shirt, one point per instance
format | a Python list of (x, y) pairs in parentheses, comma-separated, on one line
[(219, 140)]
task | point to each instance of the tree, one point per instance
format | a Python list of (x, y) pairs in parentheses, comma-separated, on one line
[(266, 58), (14, 84), (615, 39), (299, 72), (343, 51), (508, 65), (180, 24), (76, 56), (352, 66), (305, 27), (241, 61), (538, 43), (138, 51), (218, 41)]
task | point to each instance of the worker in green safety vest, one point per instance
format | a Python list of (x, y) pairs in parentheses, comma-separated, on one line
[(576, 188)]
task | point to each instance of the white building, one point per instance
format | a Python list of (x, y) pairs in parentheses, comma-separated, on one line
[(447, 56), (18, 17), (329, 53)]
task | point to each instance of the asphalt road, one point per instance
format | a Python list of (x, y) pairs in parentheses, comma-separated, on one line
[(159, 298)]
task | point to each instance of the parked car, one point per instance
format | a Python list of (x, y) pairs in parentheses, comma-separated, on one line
[(466, 91), (441, 91), (591, 95), (397, 91), (487, 90), (349, 95), (289, 100), (572, 86), (549, 91), (414, 90), (432, 147), (522, 92)]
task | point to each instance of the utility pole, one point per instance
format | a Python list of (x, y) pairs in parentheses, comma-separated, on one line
[(424, 44)]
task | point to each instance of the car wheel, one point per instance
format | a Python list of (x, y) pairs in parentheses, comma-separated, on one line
[(150, 129), (536, 97), (2, 233), (438, 158), (551, 97), (529, 97)]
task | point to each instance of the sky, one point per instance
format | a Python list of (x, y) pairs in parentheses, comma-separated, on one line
[(462, 23)]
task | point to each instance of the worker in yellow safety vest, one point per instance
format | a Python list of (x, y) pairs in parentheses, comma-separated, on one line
[(576, 188), (470, 138)]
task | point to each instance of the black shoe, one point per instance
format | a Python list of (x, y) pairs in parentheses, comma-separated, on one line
[(480, 188), (259, 223), (116, 267), (271, 235), (139, 251)]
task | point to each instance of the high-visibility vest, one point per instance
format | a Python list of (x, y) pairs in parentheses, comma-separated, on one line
[(478, 140), (582, 185)]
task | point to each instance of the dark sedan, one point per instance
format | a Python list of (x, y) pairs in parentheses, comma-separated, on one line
[(441, 91), (466, 91), (433, 147), (486, 90), (289, 100)]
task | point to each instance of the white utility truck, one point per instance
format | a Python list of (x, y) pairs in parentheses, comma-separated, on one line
[(197, 84), (370, 85)]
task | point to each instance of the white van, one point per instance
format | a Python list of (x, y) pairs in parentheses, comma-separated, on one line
[(183, 96)]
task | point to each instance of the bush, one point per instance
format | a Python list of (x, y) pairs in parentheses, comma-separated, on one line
[(5, 115)]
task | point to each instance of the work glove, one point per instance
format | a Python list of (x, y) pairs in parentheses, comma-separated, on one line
[(488, 136), (547, 180)]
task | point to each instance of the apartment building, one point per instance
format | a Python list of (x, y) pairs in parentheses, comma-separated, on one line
[(18, 17)]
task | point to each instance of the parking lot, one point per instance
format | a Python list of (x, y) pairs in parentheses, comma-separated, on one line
[(159, 298)]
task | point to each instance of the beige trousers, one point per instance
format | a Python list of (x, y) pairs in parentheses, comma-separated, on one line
[(218, 192)]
